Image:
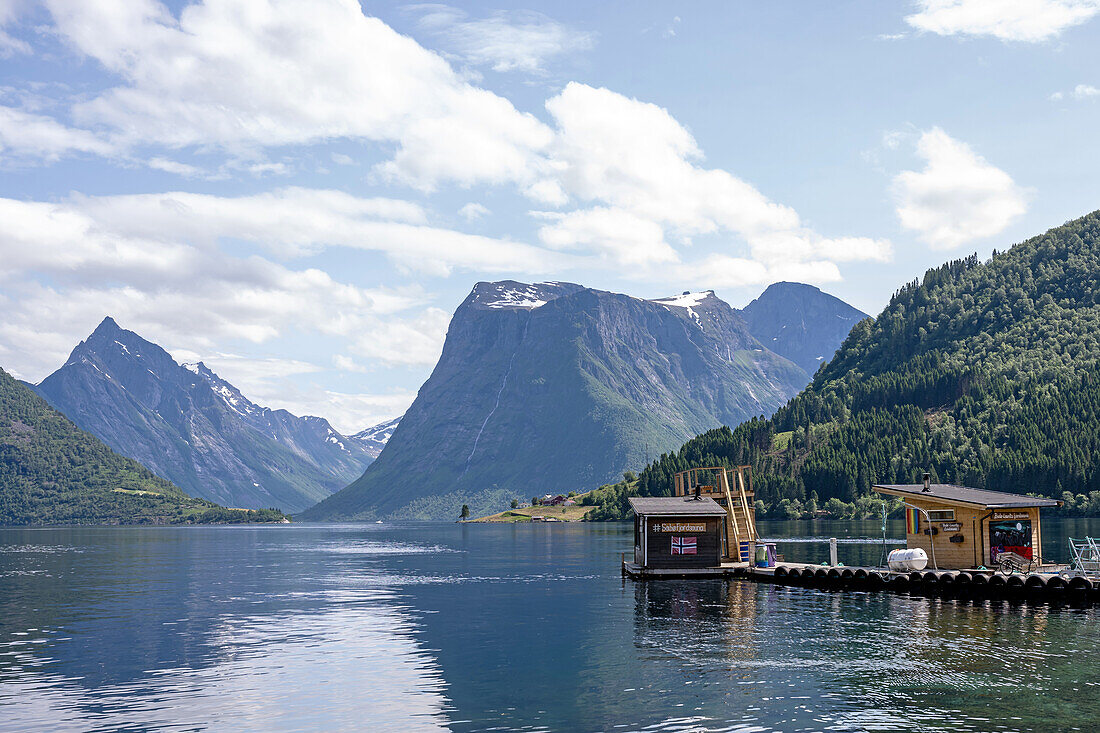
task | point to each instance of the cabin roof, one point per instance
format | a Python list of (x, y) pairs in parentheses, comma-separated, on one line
[(687, 506), (951, 494)]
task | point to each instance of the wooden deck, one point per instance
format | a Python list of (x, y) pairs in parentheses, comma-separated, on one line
[(1047, 584), (725, 570)]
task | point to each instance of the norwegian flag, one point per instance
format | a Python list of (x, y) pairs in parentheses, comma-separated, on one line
[(683, 545)]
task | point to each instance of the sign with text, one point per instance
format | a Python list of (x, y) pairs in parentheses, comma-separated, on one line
[(951, 526), (1011, 515), (680, 527)]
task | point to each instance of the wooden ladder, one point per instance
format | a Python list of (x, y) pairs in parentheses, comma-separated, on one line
[(740, 524)]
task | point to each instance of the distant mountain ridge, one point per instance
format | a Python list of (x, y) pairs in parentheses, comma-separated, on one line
[(187, 424), (801, 323), (555, 386), (374, 438), (51, 472)]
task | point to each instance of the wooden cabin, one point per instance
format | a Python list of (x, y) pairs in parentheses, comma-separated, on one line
[(969, 528), (677, 532)]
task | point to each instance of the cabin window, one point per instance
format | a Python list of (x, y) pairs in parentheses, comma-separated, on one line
[(941, 515)]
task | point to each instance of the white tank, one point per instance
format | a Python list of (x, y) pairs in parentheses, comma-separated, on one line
[(906, 560)]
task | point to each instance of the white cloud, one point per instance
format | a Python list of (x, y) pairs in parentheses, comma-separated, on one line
[(853, 249), (347, 364), (636, 156), (724, 271), (958, 197), (1029, 21), (506, 40), (10, 45), (269, 169), (641, 164), (265, 74), (348, 412), (292, 221), (24, 134), (1081, 91), (153, 262), (416, 341), (176, 167), (617, 234), (472, 211)]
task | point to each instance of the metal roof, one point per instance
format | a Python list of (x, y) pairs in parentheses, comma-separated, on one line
[(967, 495), (675, 505)]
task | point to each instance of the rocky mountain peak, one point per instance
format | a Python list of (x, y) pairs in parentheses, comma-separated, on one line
[(374, 438), (800, 322), (510, 294), (187, 424)]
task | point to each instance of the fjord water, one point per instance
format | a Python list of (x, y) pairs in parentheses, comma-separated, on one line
[(506, 627)]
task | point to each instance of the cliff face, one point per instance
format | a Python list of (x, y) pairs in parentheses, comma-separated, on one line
[(556, 387), (188, 425)]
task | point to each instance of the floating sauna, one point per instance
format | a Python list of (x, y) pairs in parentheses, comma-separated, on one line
[(677, 532), (708, 527)]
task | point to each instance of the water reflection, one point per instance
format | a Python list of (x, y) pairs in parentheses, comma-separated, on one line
[(149, 629), (509, 627)]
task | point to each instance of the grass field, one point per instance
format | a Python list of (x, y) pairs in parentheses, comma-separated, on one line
[(563, 513)]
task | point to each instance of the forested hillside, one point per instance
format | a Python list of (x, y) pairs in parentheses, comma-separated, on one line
[(984, 374), (52, 472)]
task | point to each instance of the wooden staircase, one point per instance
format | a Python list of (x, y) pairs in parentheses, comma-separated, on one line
[(735, 496)]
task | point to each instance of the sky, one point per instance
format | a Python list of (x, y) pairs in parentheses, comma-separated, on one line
[(300, 193)]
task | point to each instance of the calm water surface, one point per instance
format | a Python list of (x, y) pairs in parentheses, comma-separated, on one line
[(473, 627)]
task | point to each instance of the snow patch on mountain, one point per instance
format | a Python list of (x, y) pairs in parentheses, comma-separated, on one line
[(686, 300), (510, 294), (374, 438)]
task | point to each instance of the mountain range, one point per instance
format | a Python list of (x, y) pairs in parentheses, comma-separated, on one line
[(188, 425), (557, 387), (51, 472), (982, 373)]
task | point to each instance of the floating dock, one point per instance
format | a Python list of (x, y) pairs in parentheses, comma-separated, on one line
[(1040, 585)]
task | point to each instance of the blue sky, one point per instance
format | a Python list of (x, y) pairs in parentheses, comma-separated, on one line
[(300, 193)]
